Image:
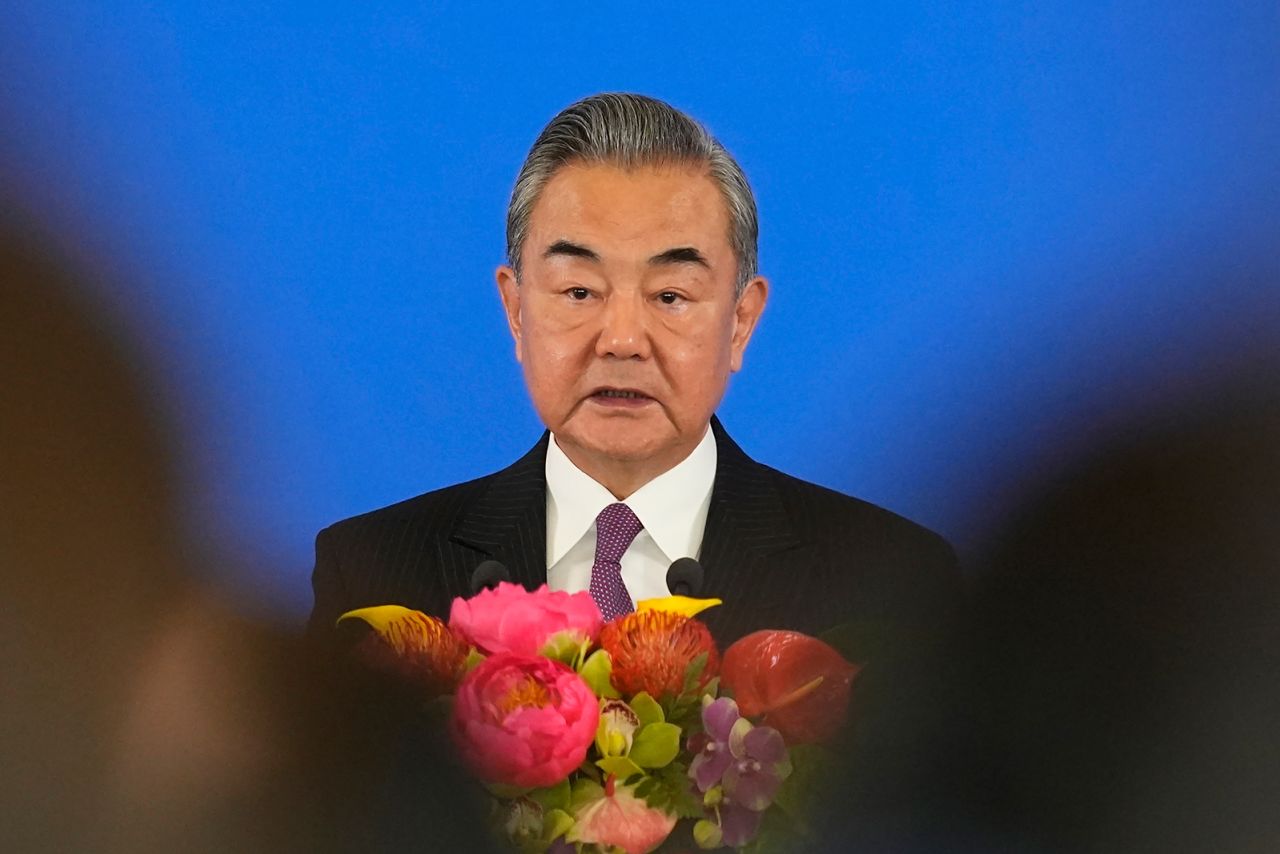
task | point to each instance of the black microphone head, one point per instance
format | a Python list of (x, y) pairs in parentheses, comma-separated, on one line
[(684, 578), (488, 575)]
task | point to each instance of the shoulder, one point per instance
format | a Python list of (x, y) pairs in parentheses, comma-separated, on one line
[(817, 511), (817, 514), (436, 513), (439, 508), (894, 566)]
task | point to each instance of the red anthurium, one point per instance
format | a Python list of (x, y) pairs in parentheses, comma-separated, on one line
[(793, 682)]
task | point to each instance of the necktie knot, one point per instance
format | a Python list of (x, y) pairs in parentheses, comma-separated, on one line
[(616, 526)]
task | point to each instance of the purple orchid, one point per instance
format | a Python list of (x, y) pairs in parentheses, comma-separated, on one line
[(747, 763), (712, 745)]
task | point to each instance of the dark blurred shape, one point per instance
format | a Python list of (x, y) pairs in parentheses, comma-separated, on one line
[(87, 540), (137, 711), (1116, 684), (1127, 640)]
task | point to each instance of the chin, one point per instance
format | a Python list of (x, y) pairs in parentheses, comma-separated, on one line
[(628, 452), (622, 448)]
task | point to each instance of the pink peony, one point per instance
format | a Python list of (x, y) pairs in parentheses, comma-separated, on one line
[(524, 720), (512, 619), (619, 819)]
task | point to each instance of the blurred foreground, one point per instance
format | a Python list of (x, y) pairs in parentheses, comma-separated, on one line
[(137, 710)]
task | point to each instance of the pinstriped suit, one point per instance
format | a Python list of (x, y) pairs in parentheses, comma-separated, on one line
[(780, 552)]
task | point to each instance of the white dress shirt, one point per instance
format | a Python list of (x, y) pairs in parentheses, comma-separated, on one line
[(672, 507)]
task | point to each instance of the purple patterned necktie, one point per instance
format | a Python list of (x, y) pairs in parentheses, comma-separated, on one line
[(616, 527)]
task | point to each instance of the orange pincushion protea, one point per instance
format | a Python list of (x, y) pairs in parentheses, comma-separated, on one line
[(651, 651), (418, 648)]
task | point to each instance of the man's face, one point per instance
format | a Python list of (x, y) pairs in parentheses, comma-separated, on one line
[(625, 316)]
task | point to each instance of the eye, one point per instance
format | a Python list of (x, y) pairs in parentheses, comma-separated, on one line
[(669, 297), (577, 294)]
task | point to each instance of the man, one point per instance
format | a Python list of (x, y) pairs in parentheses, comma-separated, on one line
[(631, 292)]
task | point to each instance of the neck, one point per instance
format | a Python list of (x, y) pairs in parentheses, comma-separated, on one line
[(622, 477)]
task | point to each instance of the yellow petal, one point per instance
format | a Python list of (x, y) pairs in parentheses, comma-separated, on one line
[(685, 606), (403, 629), (380, 617)]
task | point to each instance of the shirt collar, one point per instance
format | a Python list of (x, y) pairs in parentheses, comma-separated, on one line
[(672, 507)]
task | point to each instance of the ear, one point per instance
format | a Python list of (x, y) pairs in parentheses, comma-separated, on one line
[(745, 316), (509, 290)]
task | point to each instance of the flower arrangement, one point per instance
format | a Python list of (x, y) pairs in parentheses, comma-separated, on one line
[(604, 737)]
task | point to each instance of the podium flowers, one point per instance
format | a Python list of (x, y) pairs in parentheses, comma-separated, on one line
[(611, 738)]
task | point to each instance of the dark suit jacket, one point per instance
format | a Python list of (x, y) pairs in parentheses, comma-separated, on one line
[(780, 552)]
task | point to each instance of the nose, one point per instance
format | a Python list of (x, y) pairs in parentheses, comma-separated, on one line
[(624, 332)]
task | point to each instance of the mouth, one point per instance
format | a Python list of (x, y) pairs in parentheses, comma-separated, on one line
[(619, 397)]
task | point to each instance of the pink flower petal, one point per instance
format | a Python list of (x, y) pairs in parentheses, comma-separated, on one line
[(529, 745), (621, 820)]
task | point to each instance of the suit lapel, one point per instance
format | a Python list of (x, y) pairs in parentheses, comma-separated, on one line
[(746, 522), (508, 521)]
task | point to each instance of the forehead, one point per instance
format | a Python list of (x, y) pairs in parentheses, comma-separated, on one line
[(645, 208)]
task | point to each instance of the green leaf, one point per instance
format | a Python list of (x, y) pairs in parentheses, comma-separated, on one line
[(474, 657), (620, 766), (693, 672), (597, 671), (646, 709), (553, 797), (685, 712), (656, 745), (583, 791), (565, 647), (555, 824), (668, 789)]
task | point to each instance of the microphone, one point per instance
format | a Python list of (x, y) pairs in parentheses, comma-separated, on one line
[(684, 578), (487, 576)]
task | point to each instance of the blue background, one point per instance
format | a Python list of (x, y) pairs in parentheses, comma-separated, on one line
[(994, 230)]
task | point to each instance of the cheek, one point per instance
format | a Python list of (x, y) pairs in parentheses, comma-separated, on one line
[(552, 364), (704, 353), (699, 368)]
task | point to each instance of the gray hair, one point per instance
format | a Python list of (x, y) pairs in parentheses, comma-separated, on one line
[(629, 131)]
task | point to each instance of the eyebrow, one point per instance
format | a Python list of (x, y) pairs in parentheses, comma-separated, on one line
[(681, 255), (573, 250), (678, 255)]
